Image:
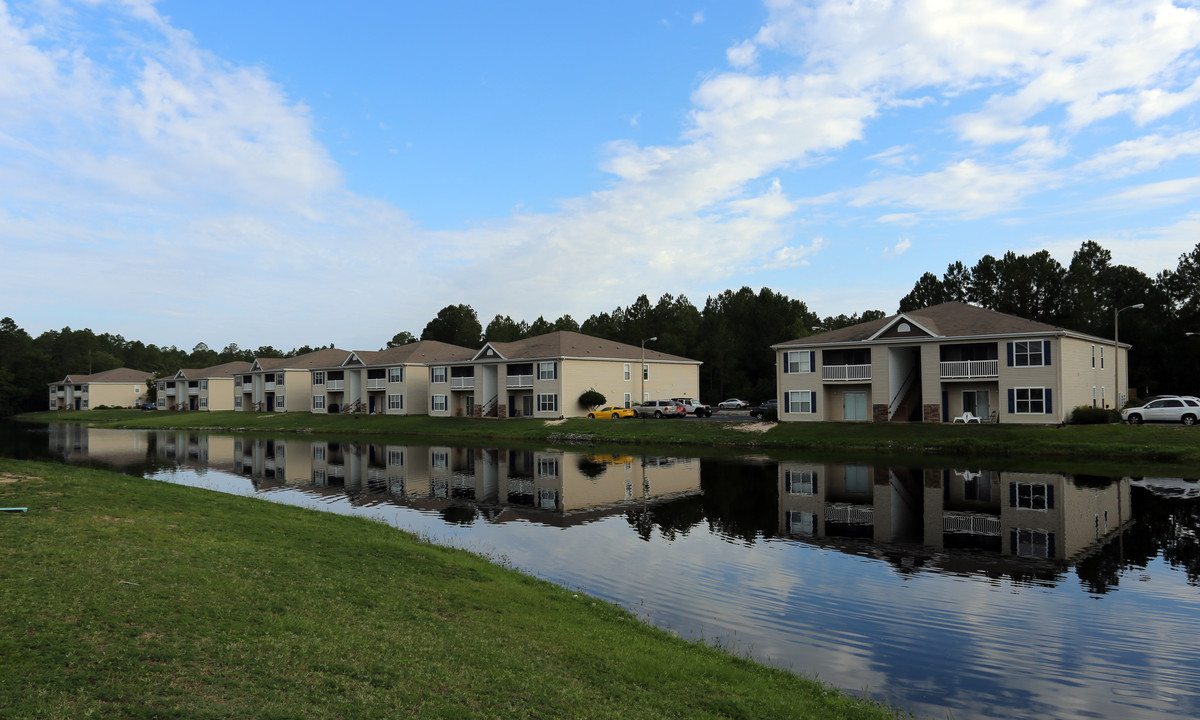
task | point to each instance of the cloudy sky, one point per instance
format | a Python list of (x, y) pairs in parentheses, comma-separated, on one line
[(298, 172)]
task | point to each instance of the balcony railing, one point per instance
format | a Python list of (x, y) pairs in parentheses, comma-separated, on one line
[(520, 381), (460, 383), (270, 385), (170, 391), (193, 391), (849, 514), (846, 373), (334, 385), (376, 384), (970, 369), (974, 524)]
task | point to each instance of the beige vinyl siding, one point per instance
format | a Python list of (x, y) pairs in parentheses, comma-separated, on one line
[(219, 394), (1079, 377), (607, 377), (795, 382), (1046, 376), (123, 395)]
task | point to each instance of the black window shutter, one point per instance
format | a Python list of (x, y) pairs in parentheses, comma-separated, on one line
[(1012, 401), (1010, 354), (1049, 497), (945, 406), (1012, 494), (812, 360), (814, 403), (1049, 404), (1045, 352)]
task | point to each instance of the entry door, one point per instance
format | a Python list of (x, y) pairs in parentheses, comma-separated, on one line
[(270, 403), (977, 403), (470, 405), (527, 406), (371, 404), (854, 406)]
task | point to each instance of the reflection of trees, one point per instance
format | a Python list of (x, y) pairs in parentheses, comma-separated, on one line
[(459, 514), (590, 468), (1163, 526), (740, 501)]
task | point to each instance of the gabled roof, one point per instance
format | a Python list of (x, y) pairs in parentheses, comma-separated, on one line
[(422, 352), (119, 375), (947, 320), (567, 344), (224, 370), (328, 357)]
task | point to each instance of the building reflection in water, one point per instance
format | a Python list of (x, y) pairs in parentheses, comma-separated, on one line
[(1014, 515), (547, 486)]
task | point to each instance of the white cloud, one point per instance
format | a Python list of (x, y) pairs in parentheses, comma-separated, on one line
[(743, 55), (898, 249), (965, 189), (1141, 154), (1160, 193)]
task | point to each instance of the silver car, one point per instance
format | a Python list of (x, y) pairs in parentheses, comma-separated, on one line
[(660, 409), (1184, 410)]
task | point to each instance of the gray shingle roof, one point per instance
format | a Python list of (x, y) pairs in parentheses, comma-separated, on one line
[(565, 343)]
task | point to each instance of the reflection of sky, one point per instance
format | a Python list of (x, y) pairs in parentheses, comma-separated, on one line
[(927, 641)]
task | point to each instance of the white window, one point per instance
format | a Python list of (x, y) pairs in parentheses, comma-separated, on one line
[(279, 379), (439, 402), (440, 459), (1030, 401), (203, 402), (1029, 354), (645, 372), (319, 452), (1093, 361), (85, 407), (798, 361), (395, 375), (237, 381), (319, 477), (547, 402), (279, 401), (548, 467), (800, 482), (396, 458), (858, 479), (162, 387), (318, 402), (627, 374), (237, 401), (395, 402), (318, 377), (628, 400), (1102, 357), (645, 396), (1093, 396), (204, 385), (1031, 496), (547, 371), (801, 401), (1033, 543), (438, 375)]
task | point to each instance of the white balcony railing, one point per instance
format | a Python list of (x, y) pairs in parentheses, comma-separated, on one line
[(520, 381), (459, 383), (193, 391), (170, 391), (376, 384), (846, 373), (270, 385), (970, 369), (335, 385), (974, 524)]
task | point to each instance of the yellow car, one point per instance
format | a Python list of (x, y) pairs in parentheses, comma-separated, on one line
[(611, 412)]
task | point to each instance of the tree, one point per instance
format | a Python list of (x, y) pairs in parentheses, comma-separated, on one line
[(403, 337), (455, 324), (591, 398), (503, 328)]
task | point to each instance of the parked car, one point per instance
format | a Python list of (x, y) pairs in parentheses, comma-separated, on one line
[(1184, 410), (615, 413), (733, 404), (692, 406), (757, 412), (147, 406), (660, 409)]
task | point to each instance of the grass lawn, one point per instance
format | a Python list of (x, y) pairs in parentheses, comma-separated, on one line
[(126, 597), (1115, 443)]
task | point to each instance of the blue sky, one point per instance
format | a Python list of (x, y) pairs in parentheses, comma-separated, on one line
[(287, 173)]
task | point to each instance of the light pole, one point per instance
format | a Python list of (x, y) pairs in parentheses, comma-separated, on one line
[(642, 369), (1117, 349)]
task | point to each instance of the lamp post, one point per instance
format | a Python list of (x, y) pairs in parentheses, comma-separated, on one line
[(642, 370), (1117, 349)]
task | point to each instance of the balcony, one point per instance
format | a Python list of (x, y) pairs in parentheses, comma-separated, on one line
[(170, 391), (846, 373), (330, 385), (850, 514), (270, 385), (519, 381), (462, 383), (968, 369), (193, 391), (973, 524), (376, 384)]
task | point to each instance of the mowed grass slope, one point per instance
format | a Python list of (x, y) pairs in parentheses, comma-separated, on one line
[(125, 597)]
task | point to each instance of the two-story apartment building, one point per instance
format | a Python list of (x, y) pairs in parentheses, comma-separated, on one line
[(394, 381), (209, 388), (281, 384), (941, 362), (122, 387), (543, 377)]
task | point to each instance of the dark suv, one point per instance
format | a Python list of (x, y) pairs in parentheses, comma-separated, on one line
[(757, 412)]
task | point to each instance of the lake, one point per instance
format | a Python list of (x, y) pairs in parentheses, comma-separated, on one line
[(959, 590)]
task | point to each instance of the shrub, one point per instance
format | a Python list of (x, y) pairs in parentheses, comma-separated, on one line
[(591, 398), (1088, 415), (770, 415)]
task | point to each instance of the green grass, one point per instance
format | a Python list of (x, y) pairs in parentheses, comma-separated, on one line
[(126, 597), (1131, 445)]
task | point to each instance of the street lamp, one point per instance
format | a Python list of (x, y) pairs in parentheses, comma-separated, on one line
[(643, 368), (1117, 349)]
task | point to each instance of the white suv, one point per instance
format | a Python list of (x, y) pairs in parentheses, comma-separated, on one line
[(1184, 410), (692, 406)]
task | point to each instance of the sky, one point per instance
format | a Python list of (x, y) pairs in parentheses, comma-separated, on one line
[(306, 173)]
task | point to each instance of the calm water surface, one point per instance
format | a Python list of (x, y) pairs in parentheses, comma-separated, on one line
[(966, 591)]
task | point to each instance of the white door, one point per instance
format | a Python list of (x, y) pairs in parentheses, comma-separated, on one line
[(854, 406)]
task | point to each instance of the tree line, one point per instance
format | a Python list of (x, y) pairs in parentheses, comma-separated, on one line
[(733, 331)]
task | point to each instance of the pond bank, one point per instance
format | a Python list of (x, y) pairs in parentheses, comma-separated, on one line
[(139, 597), (1128, 445)]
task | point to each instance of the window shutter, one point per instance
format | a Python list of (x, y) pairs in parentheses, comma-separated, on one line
[(1012, 494), (786, 363), (1050, 545), (1049, 497), (814, 403), (814, 482), (812, 360), (1045, 352), (1012, 401), (1049, 405), (1010, 356), (945, 406), (1012, 535)]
